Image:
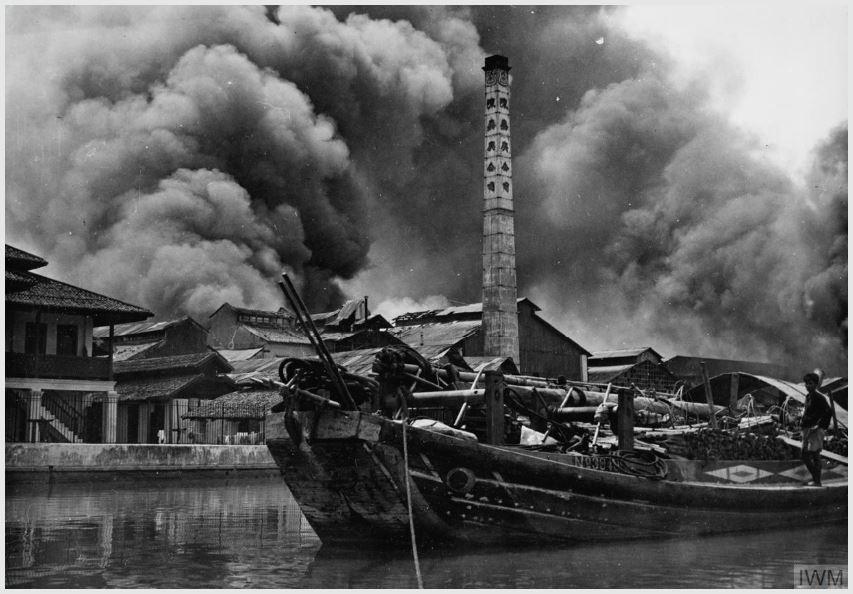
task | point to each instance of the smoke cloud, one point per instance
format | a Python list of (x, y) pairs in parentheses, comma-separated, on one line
[(141, 137), (183, 157)]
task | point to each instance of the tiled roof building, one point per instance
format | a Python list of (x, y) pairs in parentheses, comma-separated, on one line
[(155, 393), (56, 390)]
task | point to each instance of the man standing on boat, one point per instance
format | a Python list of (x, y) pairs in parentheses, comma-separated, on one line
[(816, 418)]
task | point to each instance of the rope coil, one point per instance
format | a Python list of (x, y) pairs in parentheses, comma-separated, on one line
[(645, 465)]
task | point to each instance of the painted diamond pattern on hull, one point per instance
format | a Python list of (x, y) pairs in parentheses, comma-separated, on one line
[(801, 473), (741, 473)]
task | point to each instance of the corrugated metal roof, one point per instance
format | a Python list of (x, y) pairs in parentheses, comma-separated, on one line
[(335, 336), (455, 310), (605, 374), (234, 355), (261, 368), (140, 327), (631, 352), (348, 309), (438, 334), (334, 317), (685, 366), (409, 320), (52, 294), (359, 361), (280, 313), (324, 316), (250, 365), (278, 335), (478, 364), (123, 352)]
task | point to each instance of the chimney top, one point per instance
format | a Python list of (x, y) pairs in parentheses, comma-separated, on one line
[(497, 62)]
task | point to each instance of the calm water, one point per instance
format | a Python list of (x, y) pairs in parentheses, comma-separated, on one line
[(249, 533)]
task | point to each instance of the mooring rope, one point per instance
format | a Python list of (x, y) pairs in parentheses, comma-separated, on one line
[(409, 505)]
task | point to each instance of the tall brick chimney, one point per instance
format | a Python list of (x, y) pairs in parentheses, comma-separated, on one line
[(500, 314)]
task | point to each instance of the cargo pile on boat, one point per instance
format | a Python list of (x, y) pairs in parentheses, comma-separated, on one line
[(836, 445), (561, 416), (721, 444)]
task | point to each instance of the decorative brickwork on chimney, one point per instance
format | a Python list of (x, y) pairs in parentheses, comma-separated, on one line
[(500, 316)]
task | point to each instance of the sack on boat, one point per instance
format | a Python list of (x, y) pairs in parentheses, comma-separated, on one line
[(532, 437), (439, 427)]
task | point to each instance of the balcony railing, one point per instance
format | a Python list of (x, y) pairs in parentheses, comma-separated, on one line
[(57, 367)]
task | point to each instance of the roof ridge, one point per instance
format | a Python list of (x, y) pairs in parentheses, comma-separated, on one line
[(130, 305), (19, 254), (179, 360)]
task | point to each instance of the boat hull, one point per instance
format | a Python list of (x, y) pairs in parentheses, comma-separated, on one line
[(347, 471)]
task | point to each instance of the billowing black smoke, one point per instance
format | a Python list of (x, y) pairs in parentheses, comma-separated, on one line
[(182, 157), (179, 157)]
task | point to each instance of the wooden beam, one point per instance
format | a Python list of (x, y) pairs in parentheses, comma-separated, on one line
[(625, 422), (733, 392), (494, 407), (712, 420)]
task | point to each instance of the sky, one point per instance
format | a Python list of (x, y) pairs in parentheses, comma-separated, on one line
[(751, 50), (680, 170)]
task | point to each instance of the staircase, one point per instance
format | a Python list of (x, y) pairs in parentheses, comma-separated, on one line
[(58, 421), (61, 431)]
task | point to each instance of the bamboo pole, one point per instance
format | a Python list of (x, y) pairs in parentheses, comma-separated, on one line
[(476, 397), (708, 397)]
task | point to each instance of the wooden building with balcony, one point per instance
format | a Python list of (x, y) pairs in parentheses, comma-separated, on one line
[(56, 390)]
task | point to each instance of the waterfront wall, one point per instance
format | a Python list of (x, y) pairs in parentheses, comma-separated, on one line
[(54, 458)]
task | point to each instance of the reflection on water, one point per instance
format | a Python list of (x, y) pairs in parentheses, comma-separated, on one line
[(753, 561), (228, 533), (249, 533)]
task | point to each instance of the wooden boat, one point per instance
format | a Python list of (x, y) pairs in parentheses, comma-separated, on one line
[(361, 476), (346, 470)]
